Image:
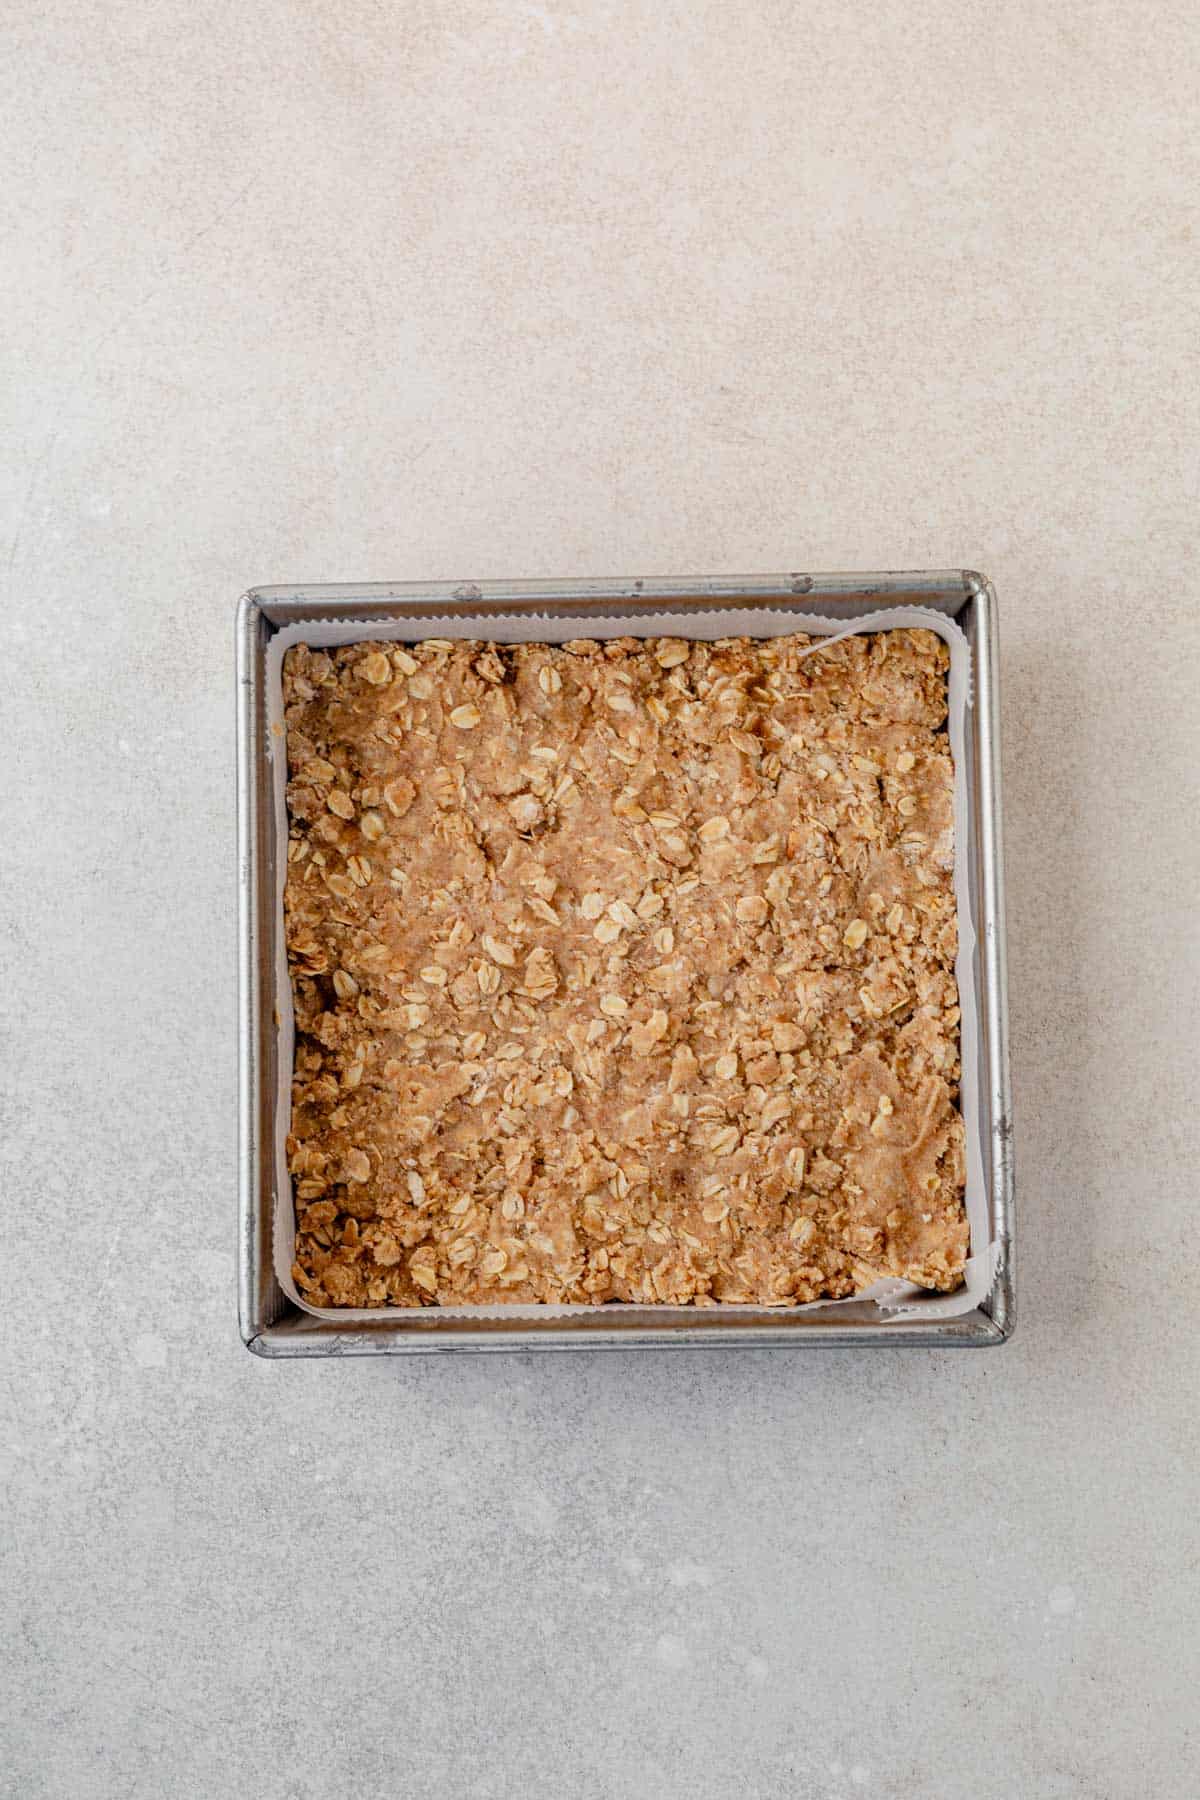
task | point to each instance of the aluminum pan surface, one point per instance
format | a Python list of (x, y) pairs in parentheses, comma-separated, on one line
[(270, 1325)]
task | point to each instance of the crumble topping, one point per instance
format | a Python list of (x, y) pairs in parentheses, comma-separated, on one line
[(622, 971)]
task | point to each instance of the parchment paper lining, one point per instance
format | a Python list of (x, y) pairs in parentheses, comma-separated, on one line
[(889, 1294)]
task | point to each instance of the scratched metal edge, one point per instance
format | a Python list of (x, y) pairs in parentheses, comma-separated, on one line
[(1001, 1304), (270, 1326)]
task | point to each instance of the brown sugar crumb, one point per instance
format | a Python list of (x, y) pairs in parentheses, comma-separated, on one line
[(623, 971)]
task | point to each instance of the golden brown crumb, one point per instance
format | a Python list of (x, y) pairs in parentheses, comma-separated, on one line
[(622, 971)]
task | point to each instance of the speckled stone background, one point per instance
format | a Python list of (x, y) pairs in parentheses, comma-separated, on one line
[(464, 288)]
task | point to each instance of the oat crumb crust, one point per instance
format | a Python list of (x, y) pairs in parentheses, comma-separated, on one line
[(623, 971)]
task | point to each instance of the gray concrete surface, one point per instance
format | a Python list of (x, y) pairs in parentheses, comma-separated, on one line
[(458, 288)]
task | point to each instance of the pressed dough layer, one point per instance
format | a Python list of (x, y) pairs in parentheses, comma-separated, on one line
[(623, 971)]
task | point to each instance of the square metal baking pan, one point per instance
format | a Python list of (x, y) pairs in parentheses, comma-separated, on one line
[(271, 1324)]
